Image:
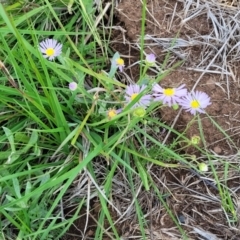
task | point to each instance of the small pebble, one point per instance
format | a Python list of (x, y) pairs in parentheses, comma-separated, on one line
[(217, 150), (181, 219), (210, 84)]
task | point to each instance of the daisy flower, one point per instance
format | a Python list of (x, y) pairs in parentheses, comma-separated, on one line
[(72, 86), (132, 92), (195, 102), (150, 58), (120, 64), (50, 48), (112, 112), (169, 96)]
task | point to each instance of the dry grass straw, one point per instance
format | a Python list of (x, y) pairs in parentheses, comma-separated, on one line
[(219, 48)]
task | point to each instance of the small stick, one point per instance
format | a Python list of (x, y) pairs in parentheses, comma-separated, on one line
[(8, 75)]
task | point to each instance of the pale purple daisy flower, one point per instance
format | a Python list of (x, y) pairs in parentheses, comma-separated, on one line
[(132, 92), (120, 64), (150, 58), (72, 86), (112, 112), (169, 96), (195, 102), (50, 48)]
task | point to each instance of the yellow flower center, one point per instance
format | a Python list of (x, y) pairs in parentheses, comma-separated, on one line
[(50, 52), (112, 113), (134, 96), (169, 92), (120, 62), (195, 104)]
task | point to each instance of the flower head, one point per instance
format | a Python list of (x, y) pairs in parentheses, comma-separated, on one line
[(170, 96), (120, 64), (195, 102), (150, 58), (50, 48), (72, 86), (203, 167), (139, 112), (195, 140), (132, 91), (112, 112)]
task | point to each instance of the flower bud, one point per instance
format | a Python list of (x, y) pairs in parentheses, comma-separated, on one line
[(139, 112), (195, 140), (203, 167), (72, 86)]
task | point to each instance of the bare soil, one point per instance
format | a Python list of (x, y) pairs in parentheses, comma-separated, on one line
[(225, 108)]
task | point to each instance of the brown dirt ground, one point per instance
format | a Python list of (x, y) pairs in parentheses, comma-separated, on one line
[(224, 109), (192, 200)]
